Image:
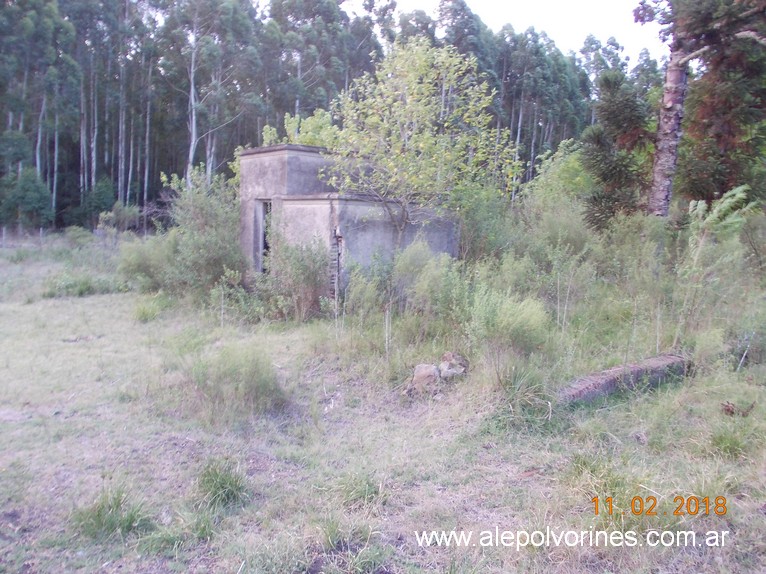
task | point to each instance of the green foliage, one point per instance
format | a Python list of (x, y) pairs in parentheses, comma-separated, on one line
[(229, 299), (347, 548), (77, 237), (297, 278), (314, 130), (150, 308), (526, 402), (561, 175), (234, 384), (15, 147), (26, 200), (120, 218), (207, 222), (484, 214), (713, 250), (221, 486), (112, 514), (503, 322), (359, 489), (430, 291), (365, 295), (418, 130), (148, 264), (192, 256), (101, 199), (612, 150), (80, 284)]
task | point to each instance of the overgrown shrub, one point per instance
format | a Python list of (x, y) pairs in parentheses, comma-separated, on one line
[(485, 217), (438, 299), (147, 264), (502, 324), (298, 276), (206, 217), (120, 218), (77, 237), (233, 384), (26, 199), (80, 284), (229, 300), (193, 255)]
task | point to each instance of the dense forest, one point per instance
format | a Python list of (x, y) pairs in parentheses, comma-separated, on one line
[(100, 97)]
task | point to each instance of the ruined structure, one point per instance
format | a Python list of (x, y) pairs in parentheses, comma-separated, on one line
[(282, 184)]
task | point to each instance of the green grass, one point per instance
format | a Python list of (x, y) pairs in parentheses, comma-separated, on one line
[(221, 486), (290, 448), (234, 383), (360, 489), (80, 284), (113, 514)]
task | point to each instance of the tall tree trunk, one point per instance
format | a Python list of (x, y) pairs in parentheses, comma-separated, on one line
[(94, 124), (146, 141), (210, 149), (669, 130), (83, 142), (122, 139), (518, 142), (531, 170), (21, 112), (39, 144), (192, 119), (107, 125), (130, 163), (54, 186)]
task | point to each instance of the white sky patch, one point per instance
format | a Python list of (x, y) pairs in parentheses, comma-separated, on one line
[(566, 22)]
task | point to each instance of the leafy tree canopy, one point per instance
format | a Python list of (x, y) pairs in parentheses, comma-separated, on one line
[(418, 130)]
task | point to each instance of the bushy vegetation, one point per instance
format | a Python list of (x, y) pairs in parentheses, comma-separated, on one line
[(112, 514), (231, 384), (289, 447), (562, 299), (221, 486), (203, 243)]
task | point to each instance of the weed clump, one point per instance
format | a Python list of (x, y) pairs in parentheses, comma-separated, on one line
[(235, 383), (69, 284), (359, 489), (150, 308), (112, 514), (221, 486)]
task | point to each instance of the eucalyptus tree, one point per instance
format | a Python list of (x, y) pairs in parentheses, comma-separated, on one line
[(417, 24), (646, 75), (204, 46), (597, 58), (465, 31), (36, 72), (313, 50)]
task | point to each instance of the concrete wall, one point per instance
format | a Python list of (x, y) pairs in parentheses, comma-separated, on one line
[(304, 207), (266, 176)]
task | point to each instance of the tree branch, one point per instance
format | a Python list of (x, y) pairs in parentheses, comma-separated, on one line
[(694, 55), (752, 35)]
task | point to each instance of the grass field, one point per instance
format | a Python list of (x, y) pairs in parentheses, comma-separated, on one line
[(139, 434)]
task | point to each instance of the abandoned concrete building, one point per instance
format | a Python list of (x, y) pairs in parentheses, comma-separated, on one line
[(282, 183)]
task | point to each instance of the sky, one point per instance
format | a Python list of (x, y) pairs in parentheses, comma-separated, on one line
[(566, 22)]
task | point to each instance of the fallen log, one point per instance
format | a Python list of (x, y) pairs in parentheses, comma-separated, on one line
[(649, 372)]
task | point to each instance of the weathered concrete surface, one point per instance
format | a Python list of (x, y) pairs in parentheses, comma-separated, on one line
[(286, 180), (650, 372), (269, 175)]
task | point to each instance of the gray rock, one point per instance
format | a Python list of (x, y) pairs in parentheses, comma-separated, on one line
[(425, 380)]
